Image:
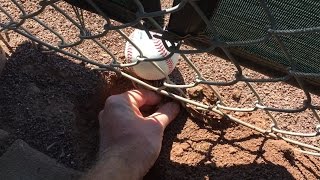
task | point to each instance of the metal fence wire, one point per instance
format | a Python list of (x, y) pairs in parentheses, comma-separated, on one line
[(284, 34)]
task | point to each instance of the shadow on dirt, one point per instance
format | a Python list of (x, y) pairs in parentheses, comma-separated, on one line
[(165, 168), (52, 104)]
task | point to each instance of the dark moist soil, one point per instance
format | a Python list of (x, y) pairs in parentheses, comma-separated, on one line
[(52, 103)]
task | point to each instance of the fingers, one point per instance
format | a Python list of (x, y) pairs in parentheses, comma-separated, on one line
[(142, 97), (166, 113)]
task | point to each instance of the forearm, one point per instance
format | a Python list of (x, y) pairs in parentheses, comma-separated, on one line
[(129, 142), (113, 167), (120, 162)]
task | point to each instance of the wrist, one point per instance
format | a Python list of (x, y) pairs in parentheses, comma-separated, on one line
[(129, 156)]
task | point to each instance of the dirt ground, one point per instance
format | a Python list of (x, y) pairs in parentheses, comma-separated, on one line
[(51, 102)]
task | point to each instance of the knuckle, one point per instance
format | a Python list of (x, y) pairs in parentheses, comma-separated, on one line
[(156, 125), (159, 128), (113, 100)]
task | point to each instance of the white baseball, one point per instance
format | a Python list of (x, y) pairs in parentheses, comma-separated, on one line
[(151, 48)]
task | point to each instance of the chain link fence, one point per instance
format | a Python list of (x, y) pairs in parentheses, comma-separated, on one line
[(271, 40)]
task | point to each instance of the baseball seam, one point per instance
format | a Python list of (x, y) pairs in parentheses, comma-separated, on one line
[(163, 52), (129, 54), (130, 49)]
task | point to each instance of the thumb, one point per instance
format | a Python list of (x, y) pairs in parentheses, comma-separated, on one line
[(166, 113)]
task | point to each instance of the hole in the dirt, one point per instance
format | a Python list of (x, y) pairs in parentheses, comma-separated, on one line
[(289, 155)]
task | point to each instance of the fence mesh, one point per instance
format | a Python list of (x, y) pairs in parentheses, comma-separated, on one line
[(283, 34)]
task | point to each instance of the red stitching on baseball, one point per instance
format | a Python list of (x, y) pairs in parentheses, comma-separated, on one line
[(170, 65), (163, 52), (130, 52), (157, 40), (161, 49)]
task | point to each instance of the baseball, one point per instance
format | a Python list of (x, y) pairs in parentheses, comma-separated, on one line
[(151, 48)]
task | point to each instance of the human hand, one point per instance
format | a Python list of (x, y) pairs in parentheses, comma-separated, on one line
[(126, 135)]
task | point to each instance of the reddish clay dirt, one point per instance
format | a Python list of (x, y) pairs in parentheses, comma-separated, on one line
[(52, 102)]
